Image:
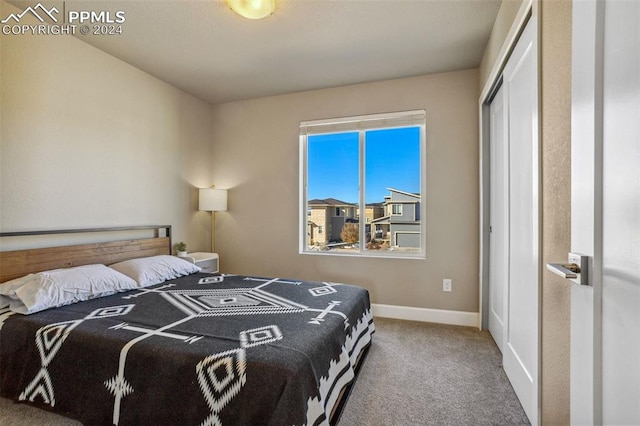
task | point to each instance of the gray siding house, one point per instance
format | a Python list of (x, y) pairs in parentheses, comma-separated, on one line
[(400, 225)]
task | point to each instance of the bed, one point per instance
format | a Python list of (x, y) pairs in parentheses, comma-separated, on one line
[(197, 348)]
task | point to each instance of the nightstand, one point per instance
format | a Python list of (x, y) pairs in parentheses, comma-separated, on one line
[(209, 262)]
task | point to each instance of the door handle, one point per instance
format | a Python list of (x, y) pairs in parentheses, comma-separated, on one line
[(575, 270), (564, 270)]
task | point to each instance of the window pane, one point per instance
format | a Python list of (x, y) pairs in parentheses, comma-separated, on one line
[(392, 192), (362, 184), (332, 191)]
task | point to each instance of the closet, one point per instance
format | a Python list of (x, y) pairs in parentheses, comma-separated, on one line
[(514, 217)]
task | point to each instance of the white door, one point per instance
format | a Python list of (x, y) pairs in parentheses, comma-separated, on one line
[(514, 221), (521, 344), (499, 218), (605, 212)]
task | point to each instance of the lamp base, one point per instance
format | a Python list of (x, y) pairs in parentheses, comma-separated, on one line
[(213, 232)]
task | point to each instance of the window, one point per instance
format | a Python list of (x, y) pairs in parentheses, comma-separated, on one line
[(374, 164), (320, 229)]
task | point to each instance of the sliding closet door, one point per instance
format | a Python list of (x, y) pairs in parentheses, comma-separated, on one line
[(498, 218), (522, 342)]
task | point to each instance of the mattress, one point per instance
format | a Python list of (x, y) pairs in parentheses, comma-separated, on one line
[(202, 349)]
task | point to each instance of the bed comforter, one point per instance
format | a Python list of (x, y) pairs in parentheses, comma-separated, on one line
[(202, 350)]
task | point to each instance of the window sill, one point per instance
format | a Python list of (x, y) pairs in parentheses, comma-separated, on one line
[(405, 256)]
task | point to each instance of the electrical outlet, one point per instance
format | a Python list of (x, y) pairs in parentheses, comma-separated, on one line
[(446, 284)]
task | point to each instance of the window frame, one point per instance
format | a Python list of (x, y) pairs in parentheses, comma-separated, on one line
[(362, 124), (400, 209)]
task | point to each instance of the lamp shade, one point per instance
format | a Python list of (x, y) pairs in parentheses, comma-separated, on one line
[(212, 200)]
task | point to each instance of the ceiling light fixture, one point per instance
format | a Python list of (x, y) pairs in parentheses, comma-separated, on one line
[(253, 9)]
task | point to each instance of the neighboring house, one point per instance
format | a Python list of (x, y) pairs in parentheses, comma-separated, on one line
[(372, 211), (400, 225), (326, 219)]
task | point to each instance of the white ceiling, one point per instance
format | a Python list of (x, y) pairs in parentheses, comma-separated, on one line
[(202, 47)]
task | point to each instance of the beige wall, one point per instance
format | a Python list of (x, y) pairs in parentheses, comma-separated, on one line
[(255, 154), (90, 141), (554, 20), (555, 50), (506, 15)]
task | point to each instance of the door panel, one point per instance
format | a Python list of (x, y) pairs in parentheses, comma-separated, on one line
[(521, 346), (605, 212), (621, 214), (584, 299), (499, 218)]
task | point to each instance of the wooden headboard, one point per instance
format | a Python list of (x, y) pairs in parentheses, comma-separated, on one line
[(17, 263)]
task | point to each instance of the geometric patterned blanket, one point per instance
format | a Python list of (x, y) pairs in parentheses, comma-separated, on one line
[(198, 350)]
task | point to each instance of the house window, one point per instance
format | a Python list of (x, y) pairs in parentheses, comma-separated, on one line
[(320, 229), (350, 163)]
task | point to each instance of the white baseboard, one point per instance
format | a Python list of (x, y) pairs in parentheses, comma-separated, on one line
[(441, 316)]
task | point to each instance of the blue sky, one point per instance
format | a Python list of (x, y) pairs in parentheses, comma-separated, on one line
[(392, 158)]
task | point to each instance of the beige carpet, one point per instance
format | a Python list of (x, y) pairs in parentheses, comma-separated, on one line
[(415, 374)]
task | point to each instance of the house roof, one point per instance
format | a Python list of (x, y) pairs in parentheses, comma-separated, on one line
[(411, 194), (330, 202), (383, 219)]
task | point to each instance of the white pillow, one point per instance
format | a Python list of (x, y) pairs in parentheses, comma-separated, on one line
[(8, 289), (155, 269), (58, 287)]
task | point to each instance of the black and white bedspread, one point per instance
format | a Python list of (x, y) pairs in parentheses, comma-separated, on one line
[(244, 350)]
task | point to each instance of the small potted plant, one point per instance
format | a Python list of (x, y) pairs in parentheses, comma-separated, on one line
[(181, 248)]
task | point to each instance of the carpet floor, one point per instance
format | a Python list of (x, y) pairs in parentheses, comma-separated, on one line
[(432, 374), (415, 374)]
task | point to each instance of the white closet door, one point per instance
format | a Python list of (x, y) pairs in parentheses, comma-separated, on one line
[(522, 339), (498, 218)]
